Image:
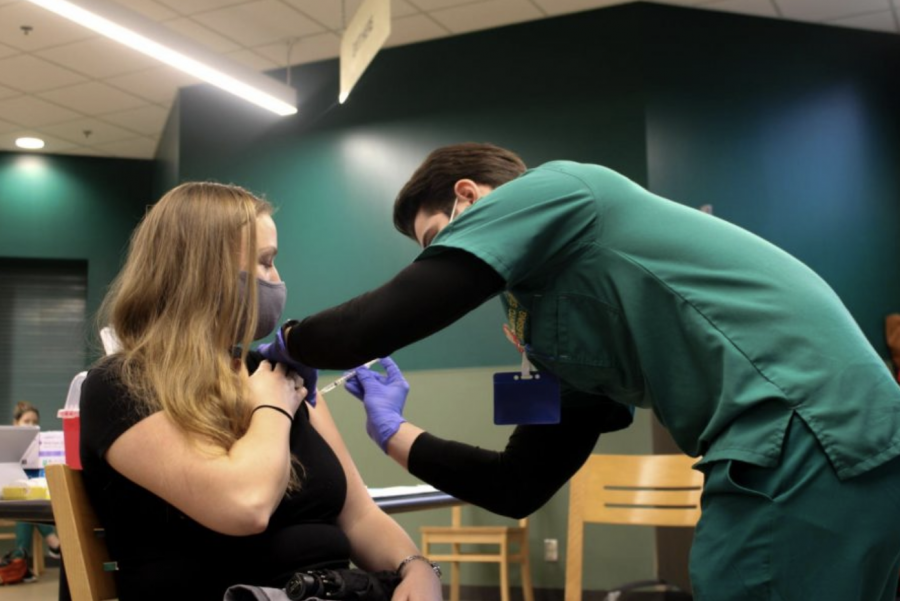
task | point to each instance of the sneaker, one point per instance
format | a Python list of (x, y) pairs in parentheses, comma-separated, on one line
[(29, 576), (53, 552)]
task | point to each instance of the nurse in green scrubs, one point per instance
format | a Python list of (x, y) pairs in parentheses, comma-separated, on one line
[(745, 355)]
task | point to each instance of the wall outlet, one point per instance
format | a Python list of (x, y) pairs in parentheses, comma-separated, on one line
[(551, 549)]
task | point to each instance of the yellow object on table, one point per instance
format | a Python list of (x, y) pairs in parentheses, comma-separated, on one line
[(32, 490)]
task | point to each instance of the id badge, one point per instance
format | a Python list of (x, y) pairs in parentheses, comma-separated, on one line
[(526, 397), (518, 401)]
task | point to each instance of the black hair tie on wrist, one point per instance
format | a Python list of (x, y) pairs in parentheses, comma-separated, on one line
[(278, 409)]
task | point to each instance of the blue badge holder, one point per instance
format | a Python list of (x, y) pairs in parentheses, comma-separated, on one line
[(519, 400)]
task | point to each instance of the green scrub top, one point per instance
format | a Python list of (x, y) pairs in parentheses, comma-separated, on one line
[(620, 292)]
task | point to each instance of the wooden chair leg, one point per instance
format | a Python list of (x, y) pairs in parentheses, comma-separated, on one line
[(504, 572), (527, 588), (37, 551), (454, 576)]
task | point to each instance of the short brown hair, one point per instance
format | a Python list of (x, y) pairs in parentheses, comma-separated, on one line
[(23, 407), (431, 186)]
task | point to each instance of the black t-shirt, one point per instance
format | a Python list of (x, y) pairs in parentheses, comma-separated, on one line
[(163, 554)]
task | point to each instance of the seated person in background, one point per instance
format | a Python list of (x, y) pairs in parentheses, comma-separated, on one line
[(204, 462), (26, 414)]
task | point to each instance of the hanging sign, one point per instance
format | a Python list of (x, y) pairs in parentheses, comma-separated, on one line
[(364, 36)]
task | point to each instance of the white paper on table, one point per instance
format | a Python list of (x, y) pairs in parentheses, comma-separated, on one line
[(401, 491)]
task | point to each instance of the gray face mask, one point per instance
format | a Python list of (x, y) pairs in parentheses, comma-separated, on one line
[(270, 299)]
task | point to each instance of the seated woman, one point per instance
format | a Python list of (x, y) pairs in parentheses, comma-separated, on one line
[(202, 460), (26, 414)]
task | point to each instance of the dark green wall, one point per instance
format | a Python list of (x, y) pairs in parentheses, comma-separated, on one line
[(56, 207), (334, 170), (165, 168), (788, 130)]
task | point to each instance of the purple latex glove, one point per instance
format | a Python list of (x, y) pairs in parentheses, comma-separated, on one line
[(276, 352), (383, 396)]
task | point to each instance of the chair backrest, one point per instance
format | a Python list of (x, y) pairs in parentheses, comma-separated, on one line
[(84, 552), (7, 530), (650, 490)]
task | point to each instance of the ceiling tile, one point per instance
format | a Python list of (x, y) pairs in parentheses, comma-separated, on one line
[(821, 10), (761, 8), (484, 15), (7, 51), (9, 92), (93, 98), (305, 50), (100, 132), (558, 7), (439, 4), (883, 21), (254, 61), (136, 148), (202, 35), (683, 2), (98, 57), (30, 74), (30, 111), (259, 23), (51, 143), (148, 120), (414, 29), (83, 151), (331, 14), (48, 28), (190, 7), (6, 126), (155, 11), (159, 85)]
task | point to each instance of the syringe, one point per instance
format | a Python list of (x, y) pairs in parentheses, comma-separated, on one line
[(340, 381)]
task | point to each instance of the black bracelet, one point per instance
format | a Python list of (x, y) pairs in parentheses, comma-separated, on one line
[(278, 409)]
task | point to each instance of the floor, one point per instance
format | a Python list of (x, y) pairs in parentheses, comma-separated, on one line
[(45, 589)]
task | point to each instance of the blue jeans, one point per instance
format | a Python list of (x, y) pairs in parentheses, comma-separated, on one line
[(24, 532)]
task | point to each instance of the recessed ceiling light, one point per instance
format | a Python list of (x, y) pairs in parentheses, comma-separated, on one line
[(30, 143)]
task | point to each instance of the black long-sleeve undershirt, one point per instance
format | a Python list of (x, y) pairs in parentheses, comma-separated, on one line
[(424, 298), (515, 482)]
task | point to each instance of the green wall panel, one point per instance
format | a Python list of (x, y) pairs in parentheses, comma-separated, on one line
[(790, 131), (55, 207)]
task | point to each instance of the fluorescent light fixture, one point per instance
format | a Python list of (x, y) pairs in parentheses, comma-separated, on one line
[(30, 143), (127, 27)]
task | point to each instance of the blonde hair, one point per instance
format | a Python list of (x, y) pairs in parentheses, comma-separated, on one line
[(178, 308)]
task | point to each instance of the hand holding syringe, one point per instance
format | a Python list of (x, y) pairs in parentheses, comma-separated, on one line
[(340, 381)]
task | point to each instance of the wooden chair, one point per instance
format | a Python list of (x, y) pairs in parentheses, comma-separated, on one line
[(8, 532), (505, 537), (84, 550), (648, 490)]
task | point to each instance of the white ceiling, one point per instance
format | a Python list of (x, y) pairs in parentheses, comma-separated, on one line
[(86, 95)]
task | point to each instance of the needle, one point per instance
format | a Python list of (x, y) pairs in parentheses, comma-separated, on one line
[(340, 381)]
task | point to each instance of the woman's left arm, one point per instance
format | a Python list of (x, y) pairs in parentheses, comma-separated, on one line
[(377, 542)]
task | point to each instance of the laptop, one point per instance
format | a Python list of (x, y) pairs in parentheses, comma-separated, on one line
[(15, 442)]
